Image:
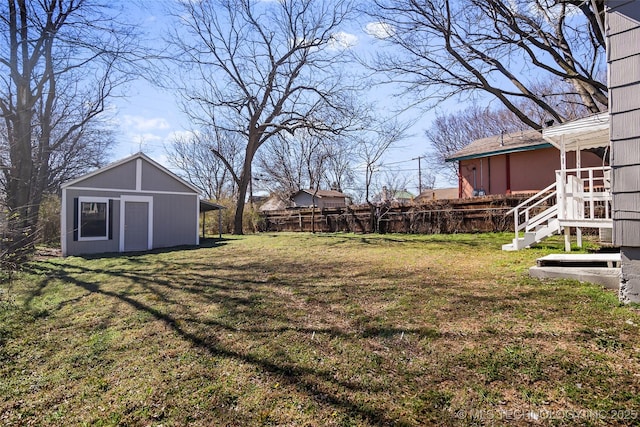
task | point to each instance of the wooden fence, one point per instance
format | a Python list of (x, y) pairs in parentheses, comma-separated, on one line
[(478, 214)]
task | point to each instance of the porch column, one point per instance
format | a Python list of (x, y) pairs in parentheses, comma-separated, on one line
[(581, 189), (561, 187)]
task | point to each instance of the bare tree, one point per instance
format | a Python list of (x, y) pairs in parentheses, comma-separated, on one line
[(391, 185), (372, 144), (288, 163), (303, 160), (339, 166), (192, 155), (259, 69), (450, 133), (444, 48), (87, 149), (59, 62)]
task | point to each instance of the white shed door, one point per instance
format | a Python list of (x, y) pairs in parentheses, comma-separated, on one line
[(136, 226)]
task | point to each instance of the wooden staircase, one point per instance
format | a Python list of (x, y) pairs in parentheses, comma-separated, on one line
[(580, 198)]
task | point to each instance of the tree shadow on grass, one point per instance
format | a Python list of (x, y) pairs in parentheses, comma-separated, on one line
[(318, 383), (243, 289)]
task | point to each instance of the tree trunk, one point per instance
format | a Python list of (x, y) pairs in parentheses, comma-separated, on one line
[(243, 185), (238, 219), (20, 222)]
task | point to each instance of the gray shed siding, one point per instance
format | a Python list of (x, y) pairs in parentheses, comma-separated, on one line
[(154, 179), (623, 56), (173, 218), (121, 177), (174, 221)]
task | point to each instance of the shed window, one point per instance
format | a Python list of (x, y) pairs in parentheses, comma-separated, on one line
[(94, 219)]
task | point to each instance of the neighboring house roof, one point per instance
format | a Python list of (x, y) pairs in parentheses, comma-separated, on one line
[(387, 195), (403, 195), (501, 144), (136, 156), (274, 203), (323, 193), (437, 194)]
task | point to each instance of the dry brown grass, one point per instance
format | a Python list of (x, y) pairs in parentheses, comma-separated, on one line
[(298, 329)]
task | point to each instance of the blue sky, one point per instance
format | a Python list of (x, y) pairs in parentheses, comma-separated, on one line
[(148, 118)]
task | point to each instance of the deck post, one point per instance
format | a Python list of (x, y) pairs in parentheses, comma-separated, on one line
[(567, 238)]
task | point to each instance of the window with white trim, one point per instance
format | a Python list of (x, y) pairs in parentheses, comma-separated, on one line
[(93, 215)]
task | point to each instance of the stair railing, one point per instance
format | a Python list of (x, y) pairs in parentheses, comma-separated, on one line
[(522, 219)]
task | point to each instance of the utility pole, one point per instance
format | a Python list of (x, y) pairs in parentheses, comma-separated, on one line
[(419, 173)]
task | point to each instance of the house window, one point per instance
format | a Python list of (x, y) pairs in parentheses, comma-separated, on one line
[(94, 219)]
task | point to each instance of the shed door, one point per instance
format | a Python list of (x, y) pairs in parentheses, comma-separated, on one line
[(136, 226)]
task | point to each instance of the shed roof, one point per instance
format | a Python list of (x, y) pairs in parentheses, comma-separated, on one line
[(120, 162), (501, 144)]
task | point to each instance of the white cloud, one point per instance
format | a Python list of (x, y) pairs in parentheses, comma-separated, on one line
[(379, 30), (342, 40), (143, 124)]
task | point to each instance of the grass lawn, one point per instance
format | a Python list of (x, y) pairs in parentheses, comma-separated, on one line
[(328, 329)]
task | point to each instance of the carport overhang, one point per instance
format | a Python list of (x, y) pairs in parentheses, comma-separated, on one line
[(206, 206)]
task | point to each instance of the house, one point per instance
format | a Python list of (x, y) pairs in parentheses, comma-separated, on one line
[(134, 204), (321, 199), (521, 162)]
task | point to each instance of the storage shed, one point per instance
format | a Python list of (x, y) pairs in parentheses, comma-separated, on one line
[(134, 204)]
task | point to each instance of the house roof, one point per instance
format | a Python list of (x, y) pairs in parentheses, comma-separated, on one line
[(581, 134), (323, 193), (403, 194), (274, 203), (139, 155), (501, 144), (438, 194)]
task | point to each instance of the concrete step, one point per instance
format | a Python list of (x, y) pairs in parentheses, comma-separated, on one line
[(580, 260), (600, 268)]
